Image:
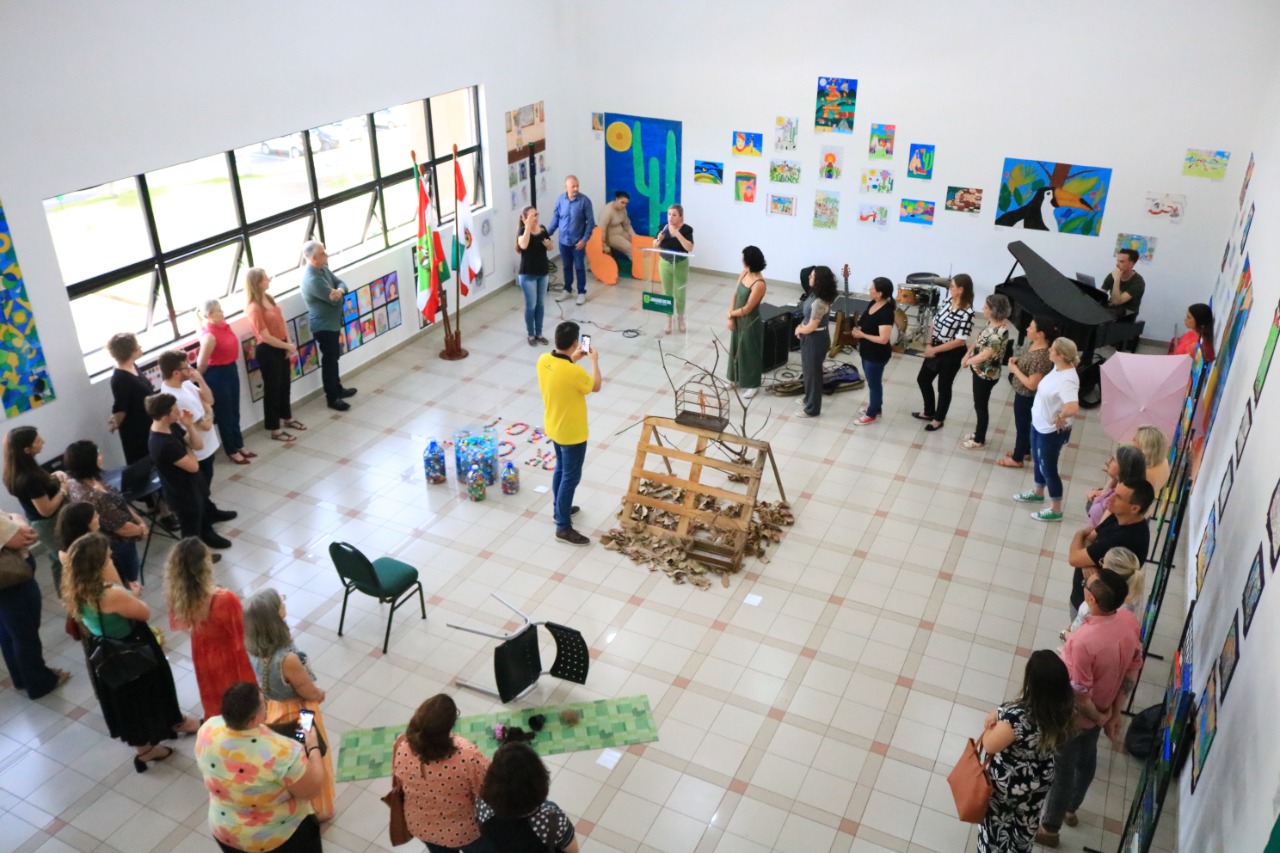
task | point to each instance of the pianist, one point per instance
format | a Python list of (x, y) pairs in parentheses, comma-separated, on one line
[(1124, 286)]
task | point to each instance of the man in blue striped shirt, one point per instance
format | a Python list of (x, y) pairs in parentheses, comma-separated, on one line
[(575, 220)]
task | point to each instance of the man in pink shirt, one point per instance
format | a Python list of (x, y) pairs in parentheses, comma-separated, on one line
[(1104, 658)]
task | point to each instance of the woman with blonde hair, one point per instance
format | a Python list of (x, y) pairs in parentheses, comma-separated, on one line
[(219, 352), (274, 353), (1126, 464), (1155, 447), (1056, 403), (213, 617), (1126, 564)]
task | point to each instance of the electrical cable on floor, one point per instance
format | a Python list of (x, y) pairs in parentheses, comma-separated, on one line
[(552, 285)]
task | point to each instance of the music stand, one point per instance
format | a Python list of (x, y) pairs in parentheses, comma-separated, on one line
[(655, 278)]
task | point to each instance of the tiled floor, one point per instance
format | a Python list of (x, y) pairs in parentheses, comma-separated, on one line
[(899, 608)]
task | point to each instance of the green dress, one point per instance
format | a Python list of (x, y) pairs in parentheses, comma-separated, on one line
[(746, 345)]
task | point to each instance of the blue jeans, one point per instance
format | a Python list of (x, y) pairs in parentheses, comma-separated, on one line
[(535, 293), (1022, 425), (571, 260), (20, 639), (124, 555), (564, 482), (1074, 766), (1045, 449), (224, 381), (873, 372)]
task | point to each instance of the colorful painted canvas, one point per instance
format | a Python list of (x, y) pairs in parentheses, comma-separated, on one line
[(708, 172), (782, 205), (826, 209), (642, 157), (1206, 727), (784, 133), (881, 145), (1240, 308), (916, 212), (784, 171), (1043, 196), (24, 375), (368, 329), (353, 335), (381, 325), (744, 187), (920, 163), (1208, 544), (831, 163), (873, 214), (1268, 352), (1205, 163), (391, 282), (309, 357), (1254, 583), (378, 292), (963, 200), (1168, 207), (837, 101), (1144, 246), (1229, 658), (302, 323), (393, 314), (876, 181), (364, 299), (1248, 176), (747, 144), (350, 308)]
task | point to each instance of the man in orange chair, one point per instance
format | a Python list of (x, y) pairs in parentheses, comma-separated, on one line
[(616, 233)]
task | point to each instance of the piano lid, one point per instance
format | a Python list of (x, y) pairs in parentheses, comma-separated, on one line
[(1061, 294)]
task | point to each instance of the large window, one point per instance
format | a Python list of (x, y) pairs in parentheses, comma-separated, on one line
[(141, 254)]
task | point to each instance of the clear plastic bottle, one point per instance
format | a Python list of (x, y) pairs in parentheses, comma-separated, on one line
[(510, 479), (475, 484)]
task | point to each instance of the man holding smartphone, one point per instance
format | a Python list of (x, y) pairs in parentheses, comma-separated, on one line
[(565, 385)]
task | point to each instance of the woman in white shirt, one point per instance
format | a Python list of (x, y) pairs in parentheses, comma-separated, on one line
[(1055, 405)]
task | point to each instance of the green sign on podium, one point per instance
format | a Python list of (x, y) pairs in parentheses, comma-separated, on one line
[(659, 302)]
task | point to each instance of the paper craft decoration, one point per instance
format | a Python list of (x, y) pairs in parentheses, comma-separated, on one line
[(1044, 196), (784, 133), (1206, 728), (744, 187), (826, 209), (872, 214), (1268, 351), (1208, 543), (1229, 658), (920, 164), (1273, 527), (831, 163), (916, 212), (1144, 246), (963, 200), (837, 100), (1248, 176), (1169, 207), (1253, 585), (1224, 491), (1242, 434), (642, 156), (708, 172), (1206, 163), (782, 205), (747, 144), (24, 375), (876, 181), (784, 171), (881, 144)]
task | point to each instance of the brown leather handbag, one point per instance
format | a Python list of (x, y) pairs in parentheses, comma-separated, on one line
[(399, 829), (970, 785)]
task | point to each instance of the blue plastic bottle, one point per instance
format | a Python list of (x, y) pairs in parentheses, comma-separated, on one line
[(433, 462)]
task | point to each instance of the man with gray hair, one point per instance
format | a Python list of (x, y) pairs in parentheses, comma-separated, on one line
[(322, 291)]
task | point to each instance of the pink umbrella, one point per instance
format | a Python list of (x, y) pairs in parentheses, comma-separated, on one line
[(1143, 389)]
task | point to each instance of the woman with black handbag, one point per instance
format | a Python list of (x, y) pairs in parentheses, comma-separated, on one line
[(127, 667), (20, 612)]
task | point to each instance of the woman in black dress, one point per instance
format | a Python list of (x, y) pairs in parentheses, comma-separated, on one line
[(513, 810), (532, 242), (129, 391), (951, 328), (873, 332)]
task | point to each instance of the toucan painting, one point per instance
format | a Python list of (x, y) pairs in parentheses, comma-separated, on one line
[(1060, 197)]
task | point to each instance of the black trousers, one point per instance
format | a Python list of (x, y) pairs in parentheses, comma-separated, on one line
[(944, 368), (276, 376), (981, 397), (305, 839), (206, 474), (190, 510), (330, 352), (813, 353)]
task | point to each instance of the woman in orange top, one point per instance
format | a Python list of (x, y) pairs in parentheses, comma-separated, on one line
[(1199, 323), (442, 774), (274, 353)]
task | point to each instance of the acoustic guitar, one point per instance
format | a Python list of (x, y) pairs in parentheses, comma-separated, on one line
[(843, 338)]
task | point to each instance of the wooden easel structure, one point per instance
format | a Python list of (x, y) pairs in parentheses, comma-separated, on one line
[(717, 555)]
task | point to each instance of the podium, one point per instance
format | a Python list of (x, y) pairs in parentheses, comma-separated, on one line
[(654, 299)]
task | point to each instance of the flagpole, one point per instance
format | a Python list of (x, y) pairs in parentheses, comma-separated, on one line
[(458, 248), (453, 350)]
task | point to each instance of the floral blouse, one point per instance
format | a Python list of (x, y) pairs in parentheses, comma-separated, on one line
[(112, 508), (1031, 362), (996, 339)]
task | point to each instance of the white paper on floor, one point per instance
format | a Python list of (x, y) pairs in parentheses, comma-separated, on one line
[(752, 599), (609, 758), (541, 489)]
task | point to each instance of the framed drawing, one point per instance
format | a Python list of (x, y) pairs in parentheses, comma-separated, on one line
[(1253, 585)]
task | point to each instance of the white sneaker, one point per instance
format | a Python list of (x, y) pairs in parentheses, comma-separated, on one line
[(803, 414), (581, 299), (749, 393)]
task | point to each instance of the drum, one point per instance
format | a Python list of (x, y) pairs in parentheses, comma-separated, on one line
[(927, 296), (921, 278), (908, 295)]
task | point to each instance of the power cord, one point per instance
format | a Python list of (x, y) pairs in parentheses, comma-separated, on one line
[(553, 284)]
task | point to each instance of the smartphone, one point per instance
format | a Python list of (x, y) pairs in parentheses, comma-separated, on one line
[(306, 719), (586, 343)]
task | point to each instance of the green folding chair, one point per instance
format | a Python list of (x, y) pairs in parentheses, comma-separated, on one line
[(390, 581)]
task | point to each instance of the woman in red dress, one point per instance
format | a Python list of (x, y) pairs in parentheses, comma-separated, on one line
[(214, 618)]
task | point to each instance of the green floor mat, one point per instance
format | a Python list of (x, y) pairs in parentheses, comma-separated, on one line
[(366, 753)]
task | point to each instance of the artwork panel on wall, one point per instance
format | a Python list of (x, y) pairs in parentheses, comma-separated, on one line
[(1242, 435), (24, 374), (1046, 196), (642, 157), (876, 181), (873, 214), (1224, 491), (1268, 352), (708, 172), (1206, 728), (597, 123), (916, 211), (1169, 207), (526, 126), (1205, 163), (1248, 224), (784, 171), (744, 187), (782, 205), (784, 133), (1253, 586), (1273, 527), (747, 144), (1248, 176), (1144, 246), (881, 145), (1208, 543), (1229, 658), (1214, 385), (920, 162), (836, 103), (963, 199), (831, 163), (826, 209)]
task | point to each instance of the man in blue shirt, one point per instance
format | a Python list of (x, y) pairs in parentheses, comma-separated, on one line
[(575, 219), (322, 292)]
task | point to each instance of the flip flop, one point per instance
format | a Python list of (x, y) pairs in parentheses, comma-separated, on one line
[(298, 425), (283, 436)]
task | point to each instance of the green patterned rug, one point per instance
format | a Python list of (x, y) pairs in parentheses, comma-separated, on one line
[(366, 753)]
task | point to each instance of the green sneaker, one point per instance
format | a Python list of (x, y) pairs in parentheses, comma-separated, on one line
[(1047, 515), (1028, 498)]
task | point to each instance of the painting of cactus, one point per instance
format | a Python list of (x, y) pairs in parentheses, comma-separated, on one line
[(642, 157)]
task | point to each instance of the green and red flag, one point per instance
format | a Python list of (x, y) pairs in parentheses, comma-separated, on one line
[(466, 251)]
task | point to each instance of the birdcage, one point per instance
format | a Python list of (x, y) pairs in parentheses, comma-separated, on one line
[(703, 402)]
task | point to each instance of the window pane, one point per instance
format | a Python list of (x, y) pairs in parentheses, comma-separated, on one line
[(402, 212), (452, 122), (98, 229), (273, 176), (444, 179), (280, 249), (350, 233), (119, 308), (205, 276), (342, 156), (401, 130), (192, 201)]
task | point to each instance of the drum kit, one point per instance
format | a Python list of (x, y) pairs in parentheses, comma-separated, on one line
[(917, 302)]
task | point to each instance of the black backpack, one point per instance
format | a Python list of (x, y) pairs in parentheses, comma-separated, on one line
[(1144, 729)]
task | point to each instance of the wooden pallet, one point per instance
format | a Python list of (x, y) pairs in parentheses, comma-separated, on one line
[(716, 555)]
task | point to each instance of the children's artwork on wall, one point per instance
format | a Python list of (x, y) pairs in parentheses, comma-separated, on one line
[(1273, 527), (1242, 434), (1248, 176), (920, 163), (784, 171), (1169, 207), (352, 336), (1044, 196), (831, 163), (642, 157), (916, 212), (784, 133), (1208, 543), (1229, 658), (381, 325), (525, 126), (378, 292), (744, 187), (393, 314), (708, 172), (1206, 727), (24, 374), (597, 124), (1224, 491), (963, 200), (747, 144), (1248, 224), (873, 214), (1253, 586), (350, 307), (1205, 163), (1268, 351), (881, 145), (364, 299), (1144, 246), (513, 175), (1211, 397), (837, 101), (782, 205), (826, 209), (876, 181)]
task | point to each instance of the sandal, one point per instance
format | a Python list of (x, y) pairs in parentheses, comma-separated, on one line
[(970, 444), (282, 436), (238, 458), (1007, 462), (247, 453), (298, 425)]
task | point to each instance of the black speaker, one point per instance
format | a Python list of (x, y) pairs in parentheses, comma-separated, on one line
[(779, 329)]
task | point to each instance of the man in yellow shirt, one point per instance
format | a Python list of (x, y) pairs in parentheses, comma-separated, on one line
[(565, 385)]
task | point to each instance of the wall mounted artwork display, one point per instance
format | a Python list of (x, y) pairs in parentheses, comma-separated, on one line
[(642, 156), (24, 375), (876, 181), (826, 209), (873, 214), (1248, 176), (747, 144), (1205, 163), (784, 133), (837, 100), (597, 123), (1268, 352), (831, 163), (525, 126), (1144, 246), (1208, 543), (782, 205), (1248, 224), (1169, 207), (920, 162), (1240, 307), (1273, 527), (1224, 491), (881, 145), (1229, 658), (708, 172), (916, 212), (1242, 434), (1206, 728), (963, 200), (1044, 196), (1253, 585), (744, 187), (784, 171)]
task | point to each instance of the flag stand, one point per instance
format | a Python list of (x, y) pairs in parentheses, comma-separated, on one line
[(453, 350), (424, 256)]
